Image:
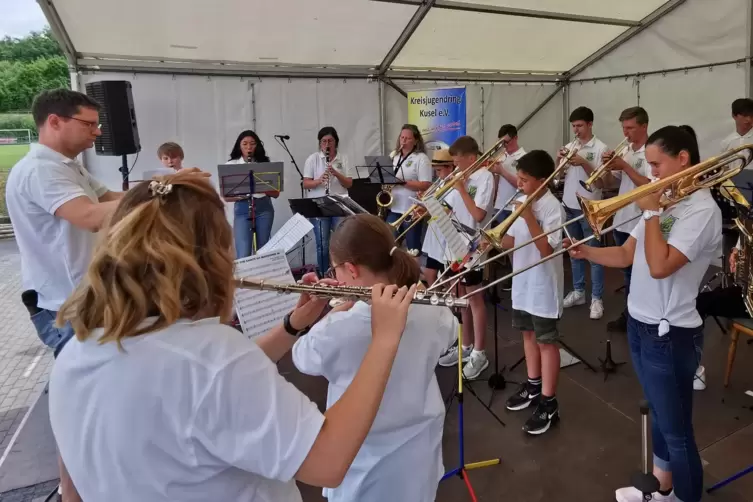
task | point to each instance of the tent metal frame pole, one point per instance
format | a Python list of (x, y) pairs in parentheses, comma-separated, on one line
[(396, 87), (59, 31), (749, 49), (647, 21), (511, 11), (540, 107), (565, 114), (382, 114), (423, 8)]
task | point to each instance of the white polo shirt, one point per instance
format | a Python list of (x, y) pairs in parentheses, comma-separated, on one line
[(504, 189), (480, 186), (55, 253), (193, 412), (539, 290), (415, 167), (591, 152), (637, 160), (694, 227), (401, 457), (314, 168), (734, 140)]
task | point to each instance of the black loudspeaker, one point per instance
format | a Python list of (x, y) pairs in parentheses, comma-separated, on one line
[(120, 134)]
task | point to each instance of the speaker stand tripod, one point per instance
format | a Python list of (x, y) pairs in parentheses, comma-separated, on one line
[(124, 171)]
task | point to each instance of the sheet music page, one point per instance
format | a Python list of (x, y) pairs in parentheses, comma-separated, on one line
[(289, 235), (456, 244), (260, 311)]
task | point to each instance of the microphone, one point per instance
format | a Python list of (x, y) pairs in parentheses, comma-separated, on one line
[(282, 136)]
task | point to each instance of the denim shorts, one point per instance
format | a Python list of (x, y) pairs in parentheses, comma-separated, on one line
[(52, 336), (544, 328)]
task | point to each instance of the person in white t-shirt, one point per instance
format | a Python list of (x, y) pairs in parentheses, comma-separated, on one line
[(326, 172), (742, 114), (537, 293), (171, 155), (470, 202), (412, 165), (157, 399), (670, 252), (435, 245), (56, 208), (582, 165), (631, 171), (505, 172), (401, 458), (251, 234)]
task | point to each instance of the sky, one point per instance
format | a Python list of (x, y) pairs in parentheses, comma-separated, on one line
[(20, 17)]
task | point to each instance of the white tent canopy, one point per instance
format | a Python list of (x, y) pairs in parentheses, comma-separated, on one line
[(485, 39), (204, 71)]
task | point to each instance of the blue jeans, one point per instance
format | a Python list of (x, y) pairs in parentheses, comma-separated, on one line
[(666, 368), (413, 237), (52, 336), (580, 230), (264, 215), (620, 238), (323, 228)]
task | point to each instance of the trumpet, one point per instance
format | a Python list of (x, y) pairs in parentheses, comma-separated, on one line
[(706, 174), (620, 151), (346, 293), (441, 188)]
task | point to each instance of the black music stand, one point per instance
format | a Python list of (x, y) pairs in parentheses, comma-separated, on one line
[(379, 175), (327, 206)]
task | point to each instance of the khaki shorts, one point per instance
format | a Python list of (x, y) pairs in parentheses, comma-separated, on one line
[(544, 328)]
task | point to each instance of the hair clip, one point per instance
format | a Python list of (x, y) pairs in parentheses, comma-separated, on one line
[(160, 188), (392, 251)]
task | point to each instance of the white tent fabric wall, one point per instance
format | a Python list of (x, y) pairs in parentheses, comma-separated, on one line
[(502, 104), (695, 33), (606, 99), (700, 99)]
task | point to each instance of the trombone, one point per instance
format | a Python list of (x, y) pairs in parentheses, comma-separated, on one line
[(706, 174), (440, 188), (620, 151)]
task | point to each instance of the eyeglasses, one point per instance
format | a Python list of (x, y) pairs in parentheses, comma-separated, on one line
[(92, 125)]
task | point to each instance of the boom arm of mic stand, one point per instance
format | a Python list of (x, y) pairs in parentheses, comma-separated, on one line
[(292, 159)]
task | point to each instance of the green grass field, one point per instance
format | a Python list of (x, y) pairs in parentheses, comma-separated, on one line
[(9, 155)]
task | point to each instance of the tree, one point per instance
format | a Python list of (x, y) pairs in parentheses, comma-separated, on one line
[(28, 66)]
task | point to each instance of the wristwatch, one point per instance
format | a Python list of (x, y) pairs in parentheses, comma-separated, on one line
[(649, 213), (289, 327)]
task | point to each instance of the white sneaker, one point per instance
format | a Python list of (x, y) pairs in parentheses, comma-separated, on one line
[(597, 308), (699, 381), (574, 298), (476, 365), (450, 357), (631, 494)]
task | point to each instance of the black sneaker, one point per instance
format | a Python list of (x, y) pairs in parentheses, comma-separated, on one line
[(524, 396), (546, 414), (619, 325)]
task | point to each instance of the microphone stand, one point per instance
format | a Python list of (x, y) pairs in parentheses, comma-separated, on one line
[(281, 141)]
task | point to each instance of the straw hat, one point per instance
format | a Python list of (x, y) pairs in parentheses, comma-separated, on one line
[(441, 157)]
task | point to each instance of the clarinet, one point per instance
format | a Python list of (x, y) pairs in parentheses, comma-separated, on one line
[(326, 158)]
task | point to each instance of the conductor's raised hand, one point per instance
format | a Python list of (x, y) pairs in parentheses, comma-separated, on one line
[(195, 171), (389, 311)]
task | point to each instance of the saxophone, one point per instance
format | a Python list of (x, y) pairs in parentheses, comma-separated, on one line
[(384, 198)]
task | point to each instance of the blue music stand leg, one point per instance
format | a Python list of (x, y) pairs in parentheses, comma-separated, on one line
[(730, 479)]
